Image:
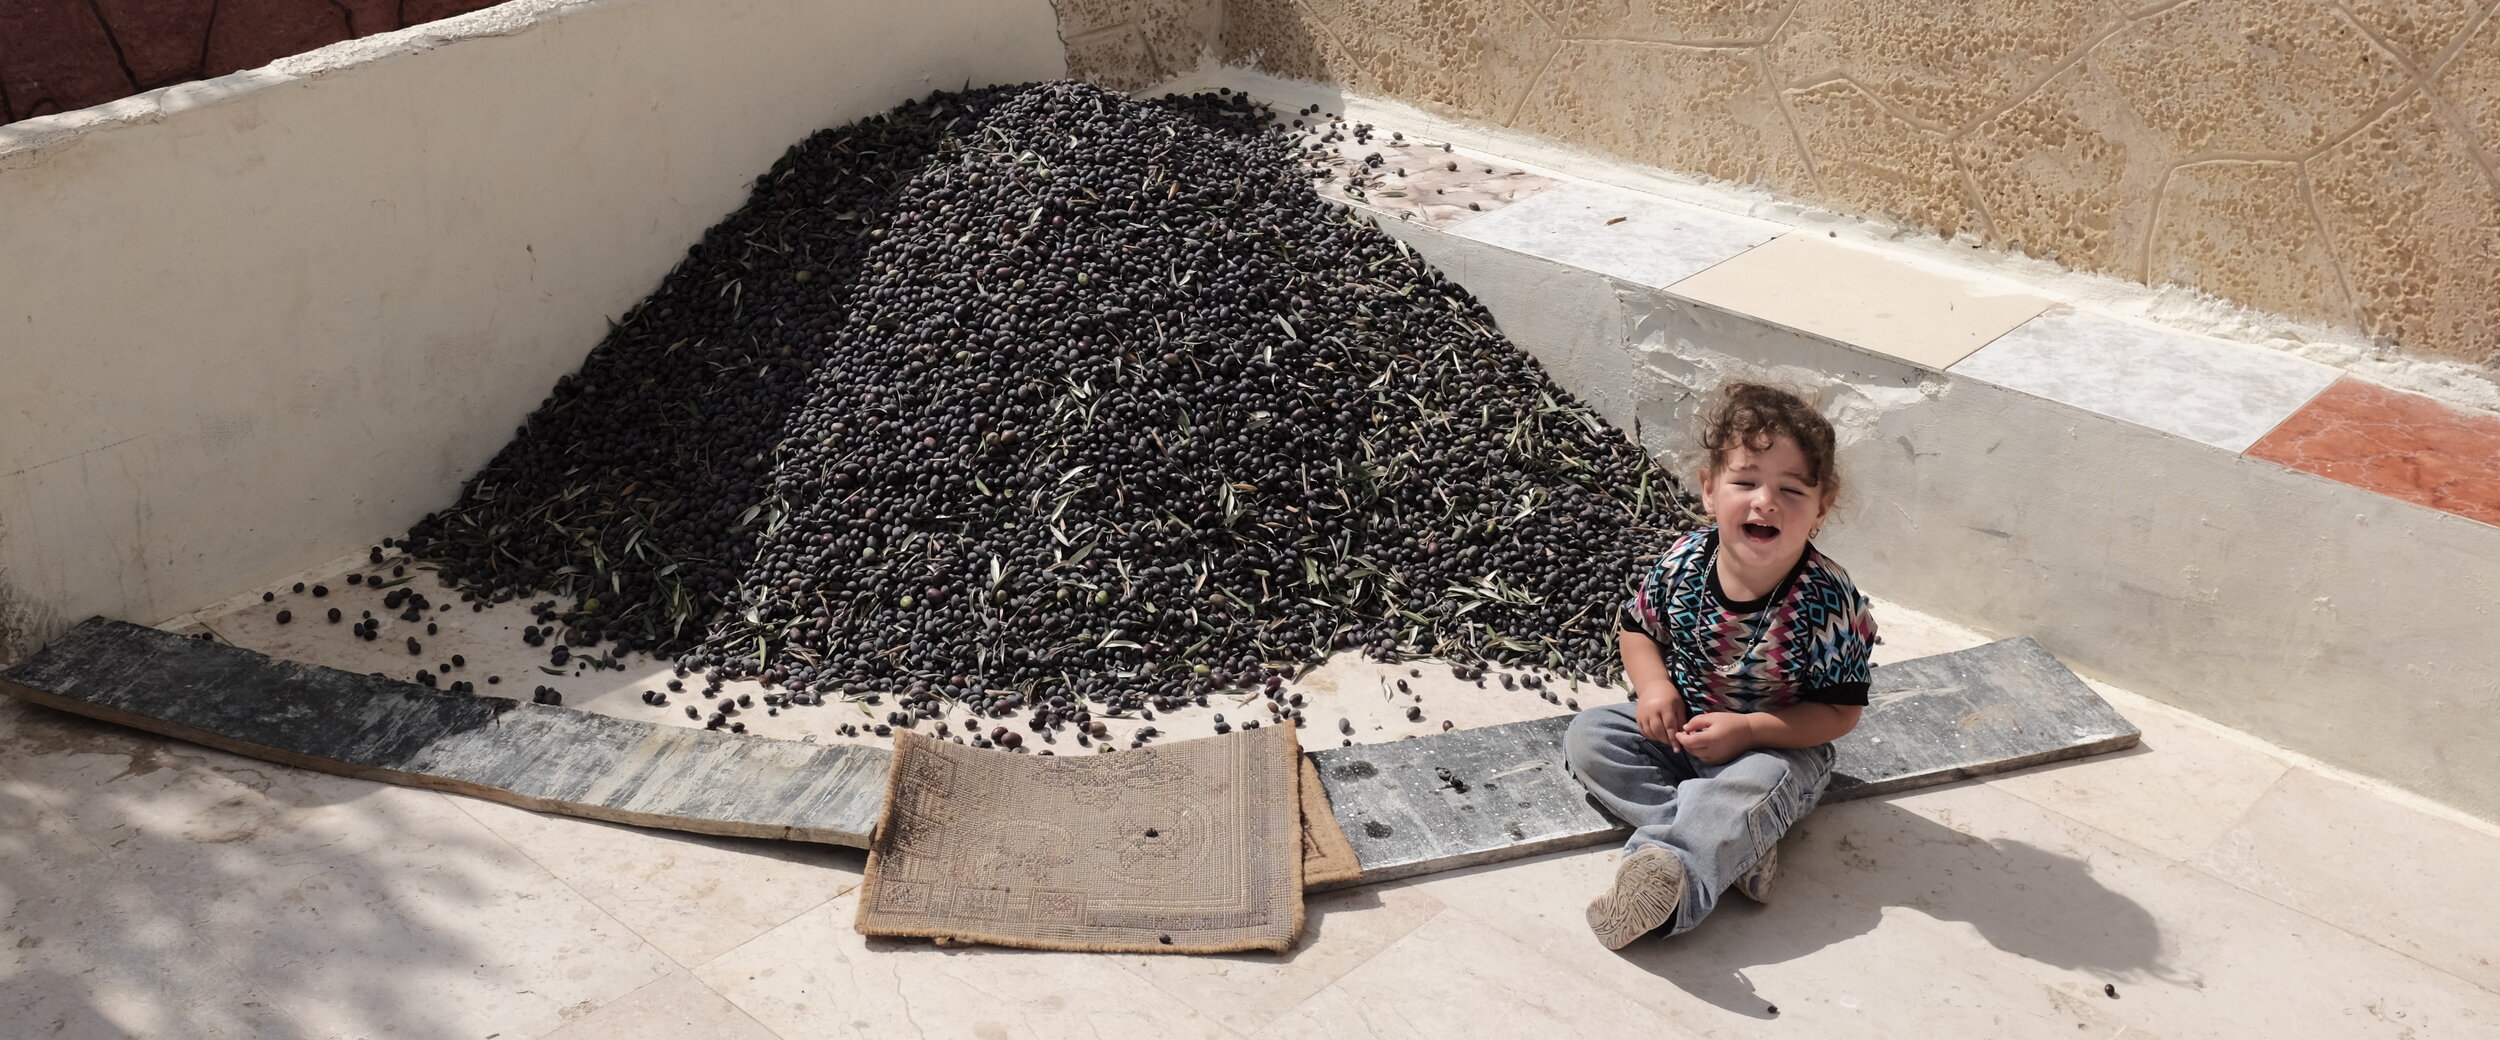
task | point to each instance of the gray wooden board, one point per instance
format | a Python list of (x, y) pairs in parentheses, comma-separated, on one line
[(540, 757), (1986, 710), (1933, 720)]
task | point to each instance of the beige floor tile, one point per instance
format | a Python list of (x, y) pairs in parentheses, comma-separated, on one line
[(817, 977), (2422, 886), (1830, 964), (1341, 930), (1863, 298), (1457, 977), (2176, 794), (677, 1007), (1906, 634), (1967, 911), (2189, 955), (694, 896), (184, 625), (88, 951), (350, 907)]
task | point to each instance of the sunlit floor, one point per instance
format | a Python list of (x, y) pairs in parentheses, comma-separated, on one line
[(2200, 885)]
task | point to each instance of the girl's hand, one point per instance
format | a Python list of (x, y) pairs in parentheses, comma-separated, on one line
[(1661, 715), (1717, 737)]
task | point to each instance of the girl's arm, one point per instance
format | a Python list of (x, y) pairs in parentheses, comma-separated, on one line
[(1721, 736), (1804, 724), (1657, 706)]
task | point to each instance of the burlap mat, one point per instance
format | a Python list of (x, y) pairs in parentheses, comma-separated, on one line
[(1327, 857), (1188, 847)]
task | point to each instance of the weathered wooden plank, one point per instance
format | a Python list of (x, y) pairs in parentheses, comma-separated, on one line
[(1989, 709), (548, 759), (1985, 710)]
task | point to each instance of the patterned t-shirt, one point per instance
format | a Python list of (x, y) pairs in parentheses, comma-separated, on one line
[(1808, 640)]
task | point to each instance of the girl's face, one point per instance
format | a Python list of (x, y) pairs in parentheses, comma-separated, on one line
[(1764, 507)]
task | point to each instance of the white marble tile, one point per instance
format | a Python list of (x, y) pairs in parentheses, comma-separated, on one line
[(352, 908), (1639, 238), (816, 976), (2207, 390), (1920, 313), (2420, 885), (677, 1007), (694, 896)]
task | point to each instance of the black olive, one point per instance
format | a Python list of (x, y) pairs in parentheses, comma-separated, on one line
[(1108, 419)]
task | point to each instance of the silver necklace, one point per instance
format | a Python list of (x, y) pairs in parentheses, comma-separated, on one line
[(1732, 668)]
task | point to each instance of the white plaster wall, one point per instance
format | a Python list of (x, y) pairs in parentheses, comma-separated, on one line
[(254, 322), (2350, 626)]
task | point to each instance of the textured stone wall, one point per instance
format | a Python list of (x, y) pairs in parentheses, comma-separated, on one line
[(2330, 160), (61, 55), (1129, 44)]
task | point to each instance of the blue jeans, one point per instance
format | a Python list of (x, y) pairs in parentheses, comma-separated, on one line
[(1719, 820)]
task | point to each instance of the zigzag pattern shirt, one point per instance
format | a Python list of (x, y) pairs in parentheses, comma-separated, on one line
[(1809, 640)]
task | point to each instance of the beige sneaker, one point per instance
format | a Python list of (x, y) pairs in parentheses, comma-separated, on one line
[(1755, 884), (1648, 885)]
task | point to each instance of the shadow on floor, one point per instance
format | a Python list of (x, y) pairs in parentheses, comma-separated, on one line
[(157, 888), (1844, 866)]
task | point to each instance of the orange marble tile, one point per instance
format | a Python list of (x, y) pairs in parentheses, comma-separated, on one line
[(2404, 445)]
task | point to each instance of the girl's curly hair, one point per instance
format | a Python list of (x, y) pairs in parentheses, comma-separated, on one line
[(1750, 415)]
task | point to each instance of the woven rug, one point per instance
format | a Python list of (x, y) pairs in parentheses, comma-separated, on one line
[(1188, 847), (1327, 857)]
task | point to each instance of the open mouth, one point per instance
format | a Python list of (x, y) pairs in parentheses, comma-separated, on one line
[(1761, 532)]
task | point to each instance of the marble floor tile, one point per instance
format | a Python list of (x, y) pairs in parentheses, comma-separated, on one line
[(2188, 954), (1819, 962), (352, 908), (1639, 238), (1863, 298), (1341, 930), (1457, 977), (1415, 180), (2176, 794), (2207, 390), (2398, 444), (693, 896), (817, 977), (2420, 885), (1964, 911), (1903, 634), (677, 1007), (88, 952)]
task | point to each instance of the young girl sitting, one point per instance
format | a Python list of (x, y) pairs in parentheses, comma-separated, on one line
[(1749, 659)]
